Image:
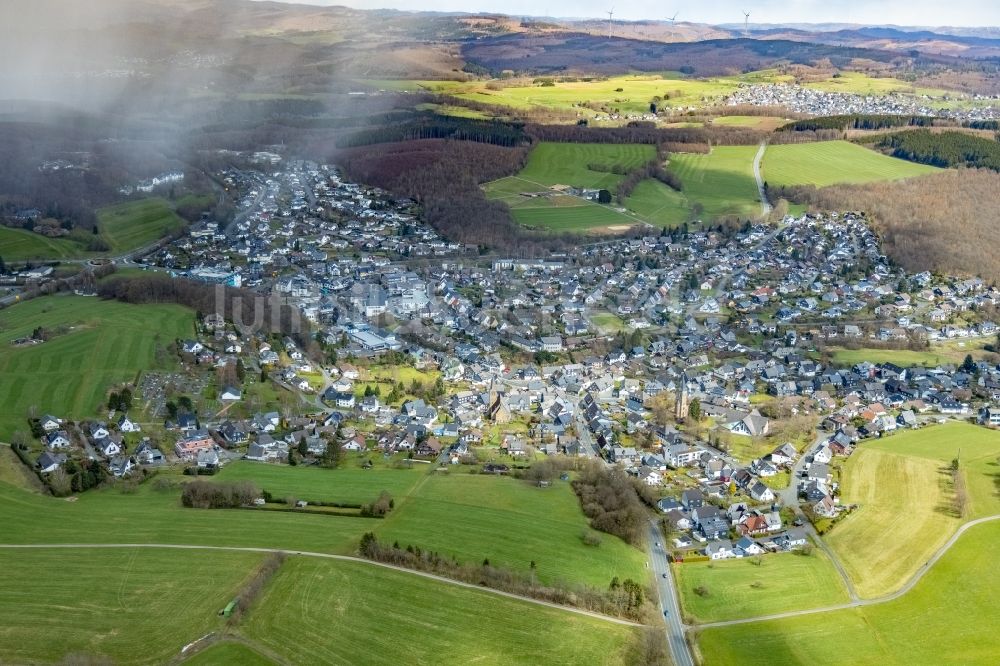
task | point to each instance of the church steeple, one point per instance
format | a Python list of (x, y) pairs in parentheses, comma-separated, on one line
[(683, 400)]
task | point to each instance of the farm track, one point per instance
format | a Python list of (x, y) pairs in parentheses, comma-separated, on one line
[(331, 556), (910, 584), (765, 206)]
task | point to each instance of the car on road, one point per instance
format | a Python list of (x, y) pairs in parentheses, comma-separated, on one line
[(666, 613), (798, 522), (664, 574)]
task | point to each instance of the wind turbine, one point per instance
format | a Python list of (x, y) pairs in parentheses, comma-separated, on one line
[(672, 18), (746, 24), (610, 14)]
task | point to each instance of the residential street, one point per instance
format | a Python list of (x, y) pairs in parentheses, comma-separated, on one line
[(789, 498)]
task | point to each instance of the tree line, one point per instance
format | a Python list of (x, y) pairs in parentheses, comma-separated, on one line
[(645, 133), (219, 495), (627, 598), (444, 177), (943, 149), (651, 169), (432, 126), (857, 121)]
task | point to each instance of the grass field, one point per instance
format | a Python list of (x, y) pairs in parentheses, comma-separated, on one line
[(862, 84), (608, 322), (740, 588), (946, 619), (722, 181), (19, 244), (139, 606), (326, 485), (228, 653), (717, 184), (832, 162), (107, 342), (126, 226), (567, 164), (346, 613), (906, 501), (634, 97), (14, 473), (768, 123), (156, 516), (936, 355), (473, 517), (658, 204), (135, 224)]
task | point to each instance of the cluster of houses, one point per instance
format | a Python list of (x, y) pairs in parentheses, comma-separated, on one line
[(307, 218), (96, 440), (717, 319), (812, 101), (737, 530)]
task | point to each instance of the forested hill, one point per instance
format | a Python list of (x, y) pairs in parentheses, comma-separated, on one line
[(943, 149)]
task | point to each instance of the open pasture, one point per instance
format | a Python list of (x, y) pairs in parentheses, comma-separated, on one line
[(946, 619), (474, 517), (833, 162), (906, 475), (95, 344), (135, 224), (129, 605), (748, 587), (348, 613)]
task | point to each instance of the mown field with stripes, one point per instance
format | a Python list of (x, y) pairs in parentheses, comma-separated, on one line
[(94, 344)]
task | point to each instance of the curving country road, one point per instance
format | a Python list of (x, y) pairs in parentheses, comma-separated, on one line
[(680, 651), (765, 207), (330, 556), (865, 602)]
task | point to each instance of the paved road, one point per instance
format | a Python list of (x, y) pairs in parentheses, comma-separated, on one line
[(857, 603), (790, 498), (680, 651), (238, 219), (765, 207), (328, 556), (584, 435)]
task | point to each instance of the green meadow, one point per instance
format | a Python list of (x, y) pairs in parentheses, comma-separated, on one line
[(948, 618), (907, 474), (135, 224), (128, 605), (833, 162), (324, 612), (95, 345), (749, 587)]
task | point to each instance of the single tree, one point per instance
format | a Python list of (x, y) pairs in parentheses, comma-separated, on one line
[(694, 410)]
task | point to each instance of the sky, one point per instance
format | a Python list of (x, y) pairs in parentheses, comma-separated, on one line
[(874, 12)]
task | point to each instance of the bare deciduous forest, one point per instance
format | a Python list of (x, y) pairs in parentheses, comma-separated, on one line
[(943, 222)]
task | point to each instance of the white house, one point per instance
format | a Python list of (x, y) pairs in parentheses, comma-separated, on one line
[(823, 455), (57, 440), (719, 550), (231, 393), (108, 447), (125, 424)]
